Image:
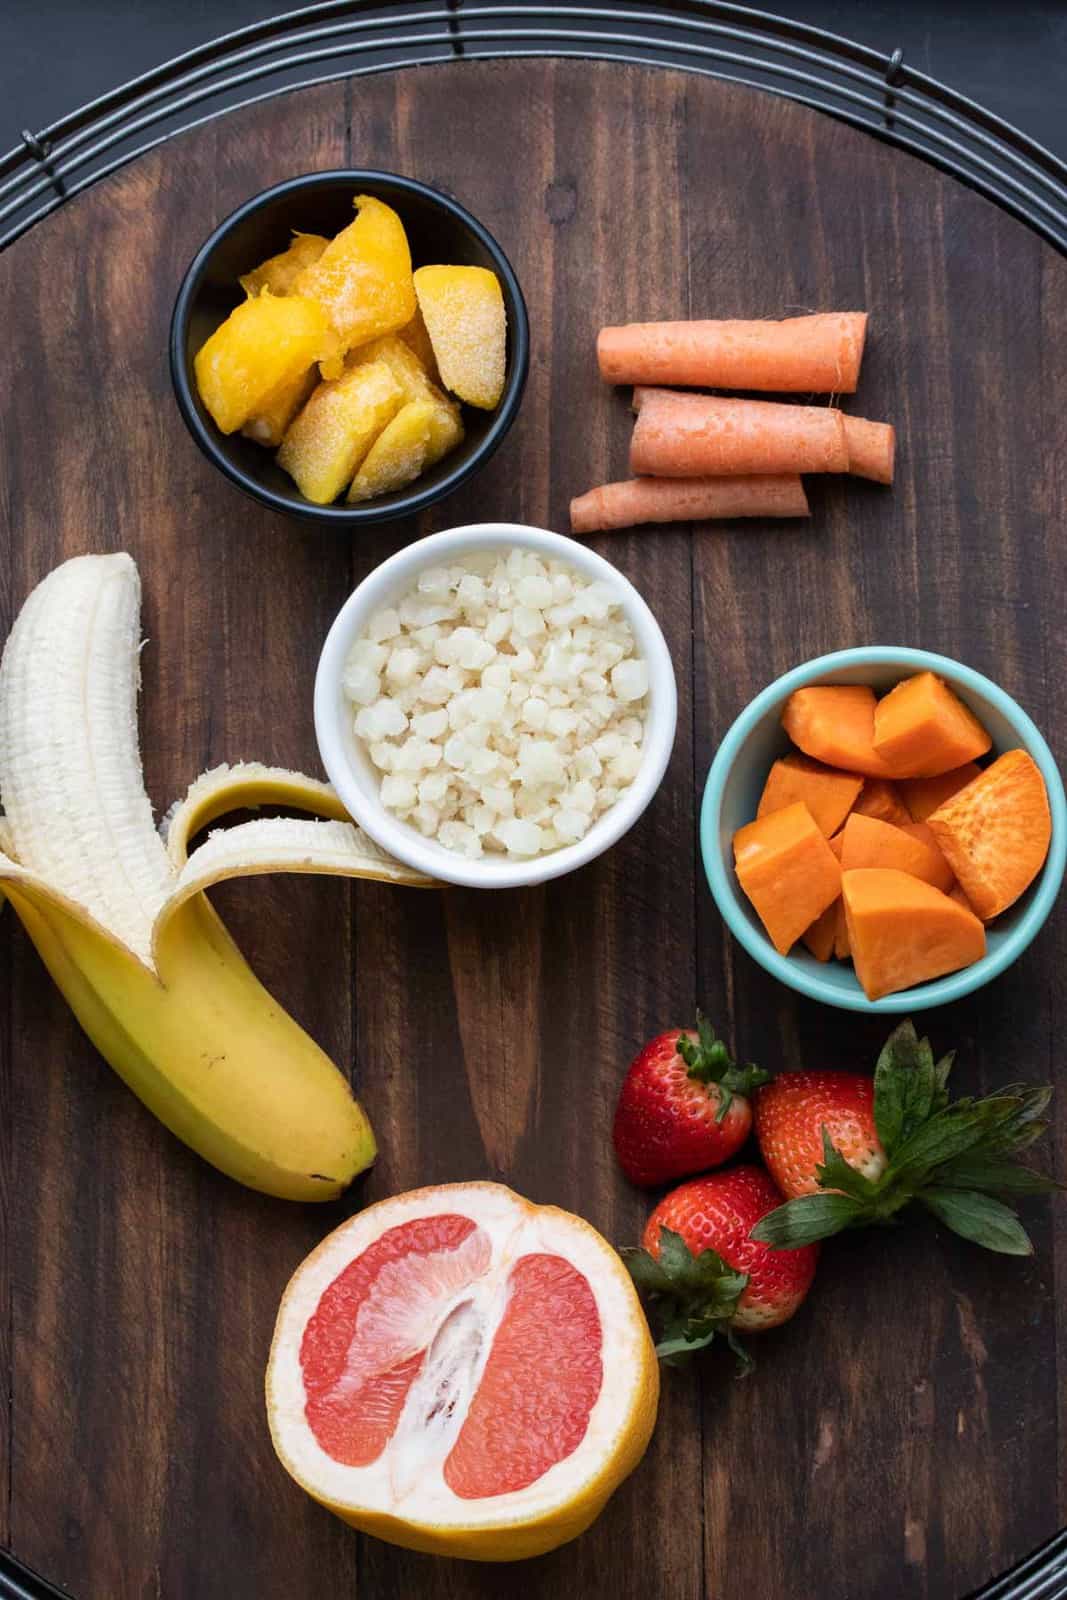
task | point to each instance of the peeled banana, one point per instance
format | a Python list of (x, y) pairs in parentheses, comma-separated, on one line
[(118, 912)]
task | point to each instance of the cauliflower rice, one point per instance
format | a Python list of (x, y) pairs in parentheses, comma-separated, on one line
[(503, 702)]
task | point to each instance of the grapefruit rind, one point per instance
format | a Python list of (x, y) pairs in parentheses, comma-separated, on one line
[(403, 1496)]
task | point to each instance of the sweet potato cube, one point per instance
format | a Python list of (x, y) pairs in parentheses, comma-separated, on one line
[(788, 871), (841, 949), (363, 277), (828, 794), (880, 798), (834, 723), (819, 938), (268, 425), (263, 345), (327, 443), (902, 931), (923, 795), (463, 308), (279, 273), (921, 728), (870, 843), (940, 873), (399, 454), (995, 833), (446, 424)]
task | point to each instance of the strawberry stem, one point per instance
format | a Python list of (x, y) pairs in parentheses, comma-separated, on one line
[(707, 1060)]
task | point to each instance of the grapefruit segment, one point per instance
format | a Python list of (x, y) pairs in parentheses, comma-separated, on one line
[(461, 1372)]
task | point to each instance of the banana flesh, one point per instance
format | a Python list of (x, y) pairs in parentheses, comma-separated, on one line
[(120, 917)]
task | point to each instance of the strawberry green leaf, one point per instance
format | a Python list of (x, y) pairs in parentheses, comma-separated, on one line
[(808, 1218), (745, 1363), (837, 1173), (980, 1218), (689, 1296), (994, 1175), (907, 1086), (649, 1277), (709, 1061)]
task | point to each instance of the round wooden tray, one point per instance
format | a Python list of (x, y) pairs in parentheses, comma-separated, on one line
[(901, 1437)]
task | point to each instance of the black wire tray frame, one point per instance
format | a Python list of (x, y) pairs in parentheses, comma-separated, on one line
[(883, 95)]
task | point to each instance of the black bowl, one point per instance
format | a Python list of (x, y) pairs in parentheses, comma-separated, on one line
[(438, 230)]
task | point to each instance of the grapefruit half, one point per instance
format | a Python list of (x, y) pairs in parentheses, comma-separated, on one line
[(461, 1372)]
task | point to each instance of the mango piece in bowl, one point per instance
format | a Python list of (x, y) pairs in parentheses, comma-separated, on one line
[(446, 425), (279, 273), (363, 277), (327, 442), (267, 426), (398, 455), (463, 308), (263, 345)]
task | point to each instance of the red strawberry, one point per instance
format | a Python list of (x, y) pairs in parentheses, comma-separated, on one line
[(791, 1113), (850, 1151), (703, 1271), (683, 1106)]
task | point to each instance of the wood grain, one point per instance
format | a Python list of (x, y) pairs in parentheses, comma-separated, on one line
[(904, 1435)]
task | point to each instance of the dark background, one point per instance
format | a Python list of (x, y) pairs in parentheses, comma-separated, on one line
[(1009, 56)]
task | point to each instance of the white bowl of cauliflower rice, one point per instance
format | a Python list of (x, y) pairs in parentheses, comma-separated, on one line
[(495, 705)]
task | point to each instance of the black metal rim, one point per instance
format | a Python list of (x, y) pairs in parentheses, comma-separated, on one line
[(346, 38), (403, 503)]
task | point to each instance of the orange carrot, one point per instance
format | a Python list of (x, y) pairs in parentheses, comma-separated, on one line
[(903, 931), (701, 435), (871, 448), (817, 354), (624, 505)]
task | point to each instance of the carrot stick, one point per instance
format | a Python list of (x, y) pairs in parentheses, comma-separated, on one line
[(871, 447), (699, 435), (624, 505), (802, 355)]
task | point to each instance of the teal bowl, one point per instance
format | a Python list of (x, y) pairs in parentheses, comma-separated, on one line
[(736, 780)]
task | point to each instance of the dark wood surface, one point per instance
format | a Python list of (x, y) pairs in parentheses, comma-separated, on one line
[(904, 1437)]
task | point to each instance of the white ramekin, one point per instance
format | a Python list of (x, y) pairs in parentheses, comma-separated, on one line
[(355, 779)]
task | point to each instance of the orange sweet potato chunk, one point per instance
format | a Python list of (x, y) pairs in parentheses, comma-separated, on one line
[(834, 723), (921, 728), (903, 931), (788, 871), (923, 795), (819, 938), (995, 833), (867, 842), (841, 949), (941, 875), (828, 794), (880, 798)]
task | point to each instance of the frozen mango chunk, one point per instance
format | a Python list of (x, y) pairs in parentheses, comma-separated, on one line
[(463, 308), (363, 277), (398, 455), (268, 425), (921, 728), (329, 440), (263, 345), (446, 425), (279, 273), (417, 338), (902, 931), (788, 871), (828, 794)]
